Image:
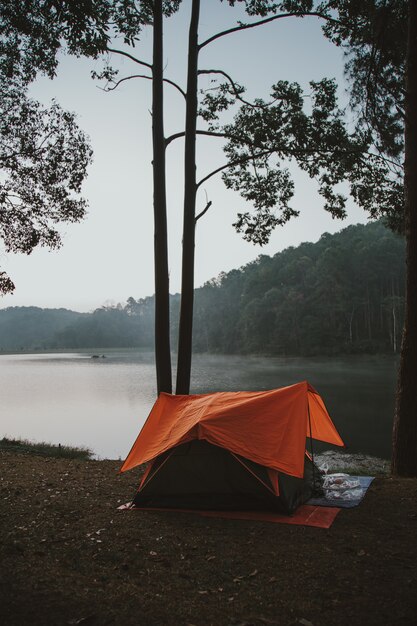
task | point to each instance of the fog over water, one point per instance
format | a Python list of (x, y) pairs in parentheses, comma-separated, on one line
[(101, 403)]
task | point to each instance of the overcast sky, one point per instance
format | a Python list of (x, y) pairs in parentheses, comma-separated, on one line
[(109, 256)]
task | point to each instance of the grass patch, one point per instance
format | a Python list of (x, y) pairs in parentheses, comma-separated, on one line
[(46, 449), (381, 469), (354, 464)]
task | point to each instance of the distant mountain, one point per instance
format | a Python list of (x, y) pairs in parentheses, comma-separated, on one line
[(32, 328), (343, 294)]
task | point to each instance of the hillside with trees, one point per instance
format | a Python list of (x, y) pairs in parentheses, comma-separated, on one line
[(341, 295)]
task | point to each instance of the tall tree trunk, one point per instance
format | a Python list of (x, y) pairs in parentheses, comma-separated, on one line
[(190, 190), (404, 455), (162, 330)]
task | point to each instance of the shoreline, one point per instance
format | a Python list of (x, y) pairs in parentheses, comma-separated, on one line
[(328, 461)]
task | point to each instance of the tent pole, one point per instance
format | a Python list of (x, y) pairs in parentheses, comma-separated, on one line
[(315, 482)]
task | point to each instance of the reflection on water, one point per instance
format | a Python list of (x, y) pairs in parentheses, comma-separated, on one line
[(102, 402)]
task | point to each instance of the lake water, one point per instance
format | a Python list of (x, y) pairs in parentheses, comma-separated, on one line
[(74, 399)]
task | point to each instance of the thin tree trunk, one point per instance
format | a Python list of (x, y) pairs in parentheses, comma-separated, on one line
[(394, 329), (404, 455), (394, 300), (368, 313), (190, 190), (351, 325), (162, 330)]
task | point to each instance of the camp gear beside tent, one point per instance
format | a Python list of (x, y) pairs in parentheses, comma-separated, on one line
[(231, 450), (335, 495)]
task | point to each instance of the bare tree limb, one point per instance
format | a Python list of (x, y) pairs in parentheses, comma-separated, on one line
[(171, 82), (172, 138), (122, 80), (166, 80), (266, 21), (208, 133), (204, 211), (130, 56)]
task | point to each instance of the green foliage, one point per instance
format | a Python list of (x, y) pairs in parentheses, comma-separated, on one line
[(218, 100), (33, 32), (257, 7), (282, 131), (265, 137)]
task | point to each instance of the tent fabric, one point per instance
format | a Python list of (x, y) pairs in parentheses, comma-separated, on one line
[(199, 475), (266, 427)]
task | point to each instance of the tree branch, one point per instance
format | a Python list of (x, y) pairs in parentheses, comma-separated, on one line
[(235, 89), (166, 80), (22, 154), (204, 211), (266, 21), (232, 163), (272, 150), (171, 82), (122, 80), (172, 138), (208, 133), (130, 56)]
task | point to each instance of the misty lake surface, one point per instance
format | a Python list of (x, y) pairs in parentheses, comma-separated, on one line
[(101, 403)]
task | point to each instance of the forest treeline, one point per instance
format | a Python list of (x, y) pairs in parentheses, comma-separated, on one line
[(343, 294)]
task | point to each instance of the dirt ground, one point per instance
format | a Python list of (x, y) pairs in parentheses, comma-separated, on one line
[(68, 556)]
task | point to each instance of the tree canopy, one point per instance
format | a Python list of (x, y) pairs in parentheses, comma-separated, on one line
[(373, 36), (43, 159)]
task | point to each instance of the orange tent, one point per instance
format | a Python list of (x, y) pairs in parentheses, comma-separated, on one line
[(266, 427)]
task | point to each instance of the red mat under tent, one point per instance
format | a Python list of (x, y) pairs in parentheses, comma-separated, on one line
[(305, 515)]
